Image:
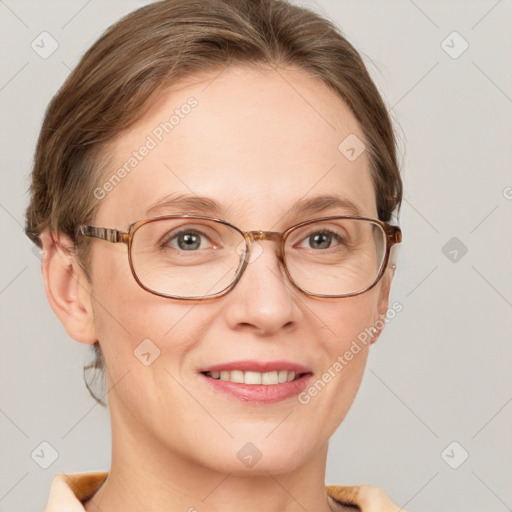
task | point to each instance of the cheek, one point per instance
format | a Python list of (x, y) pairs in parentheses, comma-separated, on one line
[(141, 336), (347, 326), (141, 332), (126, 316), (348, 319)]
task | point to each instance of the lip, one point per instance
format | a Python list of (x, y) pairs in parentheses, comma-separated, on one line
[(259, 393), (257, 366)]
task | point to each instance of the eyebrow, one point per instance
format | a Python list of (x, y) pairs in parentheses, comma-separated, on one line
[(201, 205), (198, 205), (321, 203)]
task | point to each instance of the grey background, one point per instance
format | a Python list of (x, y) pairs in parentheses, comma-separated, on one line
[(440, 372)]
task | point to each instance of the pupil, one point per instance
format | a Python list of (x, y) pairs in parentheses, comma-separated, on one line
[(188, 242), (320, 241)]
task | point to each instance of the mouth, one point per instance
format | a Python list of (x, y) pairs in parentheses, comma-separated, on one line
[(255, 378), (258, 382)]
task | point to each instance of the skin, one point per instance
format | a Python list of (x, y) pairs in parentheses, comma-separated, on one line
[(256, 145)]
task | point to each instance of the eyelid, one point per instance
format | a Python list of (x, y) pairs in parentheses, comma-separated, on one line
[(325, 225)]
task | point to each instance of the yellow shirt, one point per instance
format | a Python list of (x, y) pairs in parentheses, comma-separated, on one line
[(68, 491)]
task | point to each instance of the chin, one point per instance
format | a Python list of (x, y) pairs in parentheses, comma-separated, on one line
[(251, 458)]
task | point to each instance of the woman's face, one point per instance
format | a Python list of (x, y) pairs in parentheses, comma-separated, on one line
[(257, 142)]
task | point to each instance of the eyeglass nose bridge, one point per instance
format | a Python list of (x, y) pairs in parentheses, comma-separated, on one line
[(258, 236), (272, 236), (265, 235)]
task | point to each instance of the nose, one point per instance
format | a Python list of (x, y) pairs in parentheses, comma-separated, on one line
[(263, 301)]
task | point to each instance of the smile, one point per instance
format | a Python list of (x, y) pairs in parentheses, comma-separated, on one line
[(257, 381), (254, 378)]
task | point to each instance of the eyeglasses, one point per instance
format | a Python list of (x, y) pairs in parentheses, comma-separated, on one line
[(190, 257)]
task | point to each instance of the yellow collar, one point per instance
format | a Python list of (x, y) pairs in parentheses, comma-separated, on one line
[(68, 491)]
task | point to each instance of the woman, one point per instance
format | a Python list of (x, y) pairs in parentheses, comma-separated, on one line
[(212, 191)]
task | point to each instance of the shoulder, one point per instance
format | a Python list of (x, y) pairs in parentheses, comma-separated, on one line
[(366, 497)]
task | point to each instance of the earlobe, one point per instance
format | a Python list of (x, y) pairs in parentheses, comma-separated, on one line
[(67, 288)]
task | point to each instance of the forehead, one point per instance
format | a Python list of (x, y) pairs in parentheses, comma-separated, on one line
[(255, 140)]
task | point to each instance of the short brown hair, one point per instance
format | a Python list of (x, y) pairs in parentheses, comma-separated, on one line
[(115, 81)]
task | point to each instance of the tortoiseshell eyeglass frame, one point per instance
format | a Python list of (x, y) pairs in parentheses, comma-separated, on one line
[(393, 235)]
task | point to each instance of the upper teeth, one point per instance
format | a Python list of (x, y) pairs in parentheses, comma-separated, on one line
[(267, 378)]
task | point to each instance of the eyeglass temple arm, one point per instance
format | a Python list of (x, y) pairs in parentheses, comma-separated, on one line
[(394, 234), (109, 235)]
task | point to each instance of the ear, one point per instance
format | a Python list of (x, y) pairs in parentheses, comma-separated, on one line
[(67, 288), (381, 310)]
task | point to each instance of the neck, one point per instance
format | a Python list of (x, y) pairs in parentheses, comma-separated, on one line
[(147, 475)]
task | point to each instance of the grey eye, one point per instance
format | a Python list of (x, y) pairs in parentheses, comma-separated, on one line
[(320, 240), (188, 240)]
